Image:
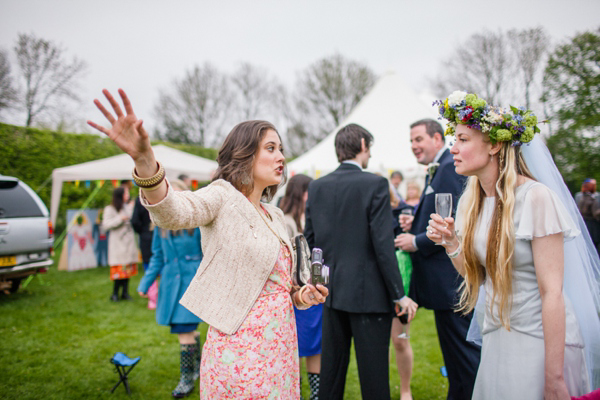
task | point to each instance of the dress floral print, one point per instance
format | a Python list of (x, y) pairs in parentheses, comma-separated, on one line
[(260, 360)]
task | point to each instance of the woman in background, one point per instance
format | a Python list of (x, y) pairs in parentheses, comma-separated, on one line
[(413, 193), (176, 256), (122, 250), (308, 322)]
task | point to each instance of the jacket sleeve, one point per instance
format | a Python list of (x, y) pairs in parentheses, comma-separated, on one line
[(156, 263), (382, 237), (111, 219), (187, 210), (136, 218)]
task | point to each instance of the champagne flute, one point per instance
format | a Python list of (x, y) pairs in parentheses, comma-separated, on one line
[(405, 211), (443, 207)]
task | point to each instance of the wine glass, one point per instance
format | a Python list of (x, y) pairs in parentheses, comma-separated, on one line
[(443, 207), (404, 321), (405, 211)]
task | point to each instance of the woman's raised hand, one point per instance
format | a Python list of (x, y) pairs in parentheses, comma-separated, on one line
[(126, 130)]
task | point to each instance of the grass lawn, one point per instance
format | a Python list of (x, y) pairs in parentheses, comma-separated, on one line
[(59, 334)]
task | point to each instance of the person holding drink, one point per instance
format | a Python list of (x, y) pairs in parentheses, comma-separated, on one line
[(435, 282), (243, 287), (510, 235)]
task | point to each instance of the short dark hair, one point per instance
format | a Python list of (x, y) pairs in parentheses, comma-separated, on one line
[(397, 173), (347, 141), (236, 157), (183, 177), (431, 127)]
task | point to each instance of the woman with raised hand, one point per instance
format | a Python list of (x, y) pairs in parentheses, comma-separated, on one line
[(243, 288), (512, 235)]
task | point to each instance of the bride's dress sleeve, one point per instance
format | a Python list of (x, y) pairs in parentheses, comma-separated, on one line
[(543, 214)]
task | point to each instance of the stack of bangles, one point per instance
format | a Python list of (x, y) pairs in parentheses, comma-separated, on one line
[(152, 183), (300, 293)]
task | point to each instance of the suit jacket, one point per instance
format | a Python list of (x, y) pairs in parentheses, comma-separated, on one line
[(348, 216), (176, 260), (239, 249), (140, 220), (435, 281)]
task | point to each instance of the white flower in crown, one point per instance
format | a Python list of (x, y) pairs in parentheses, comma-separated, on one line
[(431, 168), (456, 98)]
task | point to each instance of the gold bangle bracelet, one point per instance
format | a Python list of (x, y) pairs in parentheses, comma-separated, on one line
[(153, 181), (301, 300), (152, 188)]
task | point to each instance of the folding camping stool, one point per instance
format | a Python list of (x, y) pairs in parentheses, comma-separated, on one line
[(121, 362)]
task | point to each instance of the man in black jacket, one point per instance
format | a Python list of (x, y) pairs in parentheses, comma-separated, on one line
[(348, 216), (435, 281)]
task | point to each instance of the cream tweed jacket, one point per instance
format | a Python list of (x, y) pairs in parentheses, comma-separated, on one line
[(239, 249)]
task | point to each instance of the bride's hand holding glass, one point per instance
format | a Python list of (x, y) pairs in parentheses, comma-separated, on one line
[(442, 228)]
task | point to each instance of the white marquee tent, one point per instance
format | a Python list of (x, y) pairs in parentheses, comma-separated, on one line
[(387, 112), (119, 167)]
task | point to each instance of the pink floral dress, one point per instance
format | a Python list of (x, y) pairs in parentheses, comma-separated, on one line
[(260, 360)]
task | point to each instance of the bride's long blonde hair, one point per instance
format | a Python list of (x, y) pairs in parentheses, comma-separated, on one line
[(501, 238)]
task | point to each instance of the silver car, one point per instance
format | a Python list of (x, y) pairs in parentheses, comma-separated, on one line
[(26, 233)]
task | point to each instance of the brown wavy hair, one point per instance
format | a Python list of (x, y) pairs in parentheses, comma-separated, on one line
[(293, 202), (237, 154)]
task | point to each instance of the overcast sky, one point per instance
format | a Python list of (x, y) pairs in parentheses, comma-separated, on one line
[(142, 46)]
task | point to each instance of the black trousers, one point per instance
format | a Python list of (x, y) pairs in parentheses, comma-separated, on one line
[(371, 333), (461, 357)]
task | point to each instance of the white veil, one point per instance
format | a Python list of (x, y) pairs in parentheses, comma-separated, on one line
[(582, 265)]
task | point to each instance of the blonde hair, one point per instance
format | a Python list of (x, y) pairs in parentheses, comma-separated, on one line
[(501, 237), (415, 185), (179, 184)]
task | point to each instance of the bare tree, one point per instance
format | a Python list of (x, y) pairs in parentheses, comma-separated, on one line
[(8, 94), (503, 68), (478, 65), (529, 47), (253, 90), (195, 109), (48, 74), (325, 94)]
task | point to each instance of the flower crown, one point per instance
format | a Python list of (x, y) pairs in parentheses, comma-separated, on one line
[(517, 126)]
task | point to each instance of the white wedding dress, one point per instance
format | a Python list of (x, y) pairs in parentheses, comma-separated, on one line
[(512, 362)]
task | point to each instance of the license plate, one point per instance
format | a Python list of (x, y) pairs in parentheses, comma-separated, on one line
[(8, 261)]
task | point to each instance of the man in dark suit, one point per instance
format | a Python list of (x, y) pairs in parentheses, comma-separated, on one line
[(435, 281), (348, 216)]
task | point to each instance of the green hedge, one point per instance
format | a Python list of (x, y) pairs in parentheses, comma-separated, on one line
[(31, 154)]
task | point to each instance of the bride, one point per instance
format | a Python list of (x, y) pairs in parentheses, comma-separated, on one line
[(509, 235)]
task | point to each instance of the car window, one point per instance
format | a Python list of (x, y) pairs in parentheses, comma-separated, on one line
[(16, 202)]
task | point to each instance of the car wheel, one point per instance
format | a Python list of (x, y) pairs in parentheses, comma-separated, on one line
[(16, 282)]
